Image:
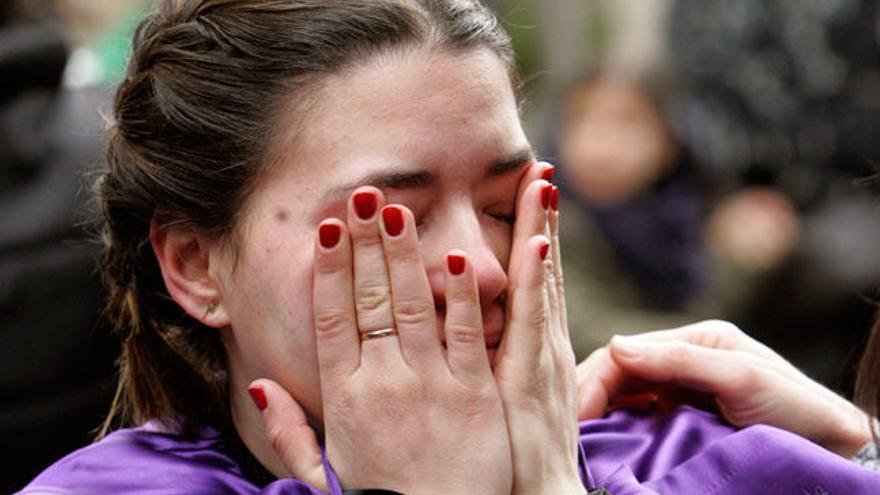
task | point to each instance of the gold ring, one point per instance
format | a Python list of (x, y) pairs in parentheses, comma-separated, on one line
[(377, 334)]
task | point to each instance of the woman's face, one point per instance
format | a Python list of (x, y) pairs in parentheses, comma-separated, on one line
[(438, 133)]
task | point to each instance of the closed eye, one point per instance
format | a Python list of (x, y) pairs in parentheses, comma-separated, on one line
[(507, 219)]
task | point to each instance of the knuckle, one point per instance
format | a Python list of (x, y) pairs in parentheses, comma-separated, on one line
[(365, 235), (405, 255), (329, 319), (328, 265), (371, 297), (538, 318), (275, 436), (679, 355), (748, 377), (560, 281), (724, 328), (413, 312), (464, 334)]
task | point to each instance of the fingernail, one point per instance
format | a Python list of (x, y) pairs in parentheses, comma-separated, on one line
[(456, 264), (392, 219), (629, 346), (259, 397), (545, 196), (544, 250), (365, 204), (554, 199), (329, 234), (548, 174)]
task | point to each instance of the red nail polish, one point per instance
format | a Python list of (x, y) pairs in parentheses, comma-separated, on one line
[(365, 204), (543, 252), (554, 199), (259, 397), (545, 196), (392, 218), (329, 234), (456, 264), (548, 174)]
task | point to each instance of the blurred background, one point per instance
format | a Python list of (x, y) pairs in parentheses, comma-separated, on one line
[(715, 160)]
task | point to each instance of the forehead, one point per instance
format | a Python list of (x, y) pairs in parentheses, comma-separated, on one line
[(401, 87), (410, 109)]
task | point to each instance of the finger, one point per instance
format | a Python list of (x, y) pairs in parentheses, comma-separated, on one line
[(372, 289), (538, 170), (557, 290), (415, 315), (531, 220), (604, 385), (466, 348), (526, 304), (556, 250), (716, 371), (599, 379), (336, 335), (288, 431), (712, 333)]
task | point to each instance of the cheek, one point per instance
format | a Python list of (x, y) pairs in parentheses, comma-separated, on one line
[(270, 310)]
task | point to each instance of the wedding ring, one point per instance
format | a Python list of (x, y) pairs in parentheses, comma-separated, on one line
[(376, 334)]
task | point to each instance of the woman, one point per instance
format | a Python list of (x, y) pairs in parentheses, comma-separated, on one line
[(263, 150), (309, 223)]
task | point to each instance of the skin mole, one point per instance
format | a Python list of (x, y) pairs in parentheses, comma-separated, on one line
[(282, 214)]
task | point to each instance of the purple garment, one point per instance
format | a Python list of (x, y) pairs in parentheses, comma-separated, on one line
[(692, 452), (686, 452), (147, 460)]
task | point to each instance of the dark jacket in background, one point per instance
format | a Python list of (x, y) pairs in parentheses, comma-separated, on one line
[(56, 357)]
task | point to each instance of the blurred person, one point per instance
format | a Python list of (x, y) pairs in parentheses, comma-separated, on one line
[(634, 209), (297, 329), (783, 98), (56, 356)]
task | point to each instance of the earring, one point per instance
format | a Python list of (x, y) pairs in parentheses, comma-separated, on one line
[(210, 308)]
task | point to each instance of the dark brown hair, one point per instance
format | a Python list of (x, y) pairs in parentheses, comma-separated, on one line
[(207, 82)]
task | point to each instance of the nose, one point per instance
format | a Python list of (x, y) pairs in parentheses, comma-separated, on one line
[(487, 252)]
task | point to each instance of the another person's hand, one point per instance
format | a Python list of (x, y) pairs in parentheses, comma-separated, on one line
[(750, 383), (399, 412), (535, 364)]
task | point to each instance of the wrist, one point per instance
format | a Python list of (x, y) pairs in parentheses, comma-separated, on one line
[(554, 485), (574, 487), (850, 432)]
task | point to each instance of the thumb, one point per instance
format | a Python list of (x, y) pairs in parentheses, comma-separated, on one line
[(289, 433), (599, 379)]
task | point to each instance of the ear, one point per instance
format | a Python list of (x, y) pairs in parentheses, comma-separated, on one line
[(185, 259)]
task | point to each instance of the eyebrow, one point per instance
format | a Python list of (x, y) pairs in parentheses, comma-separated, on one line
[(422, 178), (511, 163)]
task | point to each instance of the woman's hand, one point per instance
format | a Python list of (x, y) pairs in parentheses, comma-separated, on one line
[(398, 412), (535, 365), (751, 383)]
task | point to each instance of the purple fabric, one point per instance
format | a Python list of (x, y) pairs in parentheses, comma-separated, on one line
[(628, 453), (147, 460), (693, 452)]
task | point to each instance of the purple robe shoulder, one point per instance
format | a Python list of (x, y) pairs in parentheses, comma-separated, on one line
[(147, 460), (685, 451)]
